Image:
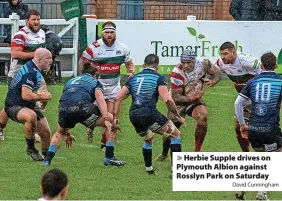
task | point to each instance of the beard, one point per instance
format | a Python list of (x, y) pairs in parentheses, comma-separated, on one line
[(109, 42), (34, 30)]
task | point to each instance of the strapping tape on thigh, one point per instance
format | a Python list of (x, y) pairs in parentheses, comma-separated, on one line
[(170, 127), (149, 135)]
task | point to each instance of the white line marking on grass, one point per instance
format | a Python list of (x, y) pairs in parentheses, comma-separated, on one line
[(60, 157), (218, 94), (86, 145)]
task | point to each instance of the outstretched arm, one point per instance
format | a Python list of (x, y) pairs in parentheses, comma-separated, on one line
[(163, 91), (123, 94), (102, 104)]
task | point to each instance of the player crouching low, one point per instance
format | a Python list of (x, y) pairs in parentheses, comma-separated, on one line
[(76, 106)]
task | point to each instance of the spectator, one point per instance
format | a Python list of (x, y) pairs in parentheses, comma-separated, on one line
[(246, 10), (15, 6), (54, 185), (272, 10)]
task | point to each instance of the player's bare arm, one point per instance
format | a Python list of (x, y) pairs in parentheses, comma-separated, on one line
[(164, 94), (130, 68), (82, 61), (18, 53), (102, 104), (123, 94), (214, 72), (29, 95), (180, 98)]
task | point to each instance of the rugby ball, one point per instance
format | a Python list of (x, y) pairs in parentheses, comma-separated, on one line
[(193, 87)]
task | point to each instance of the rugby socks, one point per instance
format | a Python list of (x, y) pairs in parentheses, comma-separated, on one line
[(200, 134), (30, 143), (175, 146), (166, 146), (51, 152), (109, 149), (147, 154)]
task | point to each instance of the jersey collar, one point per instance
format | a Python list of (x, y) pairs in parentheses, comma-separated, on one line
[(265, 71), (35, 65)]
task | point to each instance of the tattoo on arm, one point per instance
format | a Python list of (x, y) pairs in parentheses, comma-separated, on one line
[(178, 97), (172, 107), (215, 74)]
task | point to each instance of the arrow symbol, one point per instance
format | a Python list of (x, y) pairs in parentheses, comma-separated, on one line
[(179, 158)]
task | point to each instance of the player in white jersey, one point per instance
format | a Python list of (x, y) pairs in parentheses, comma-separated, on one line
[(240, 68), (187, 79), (24, 43), (107, 54)]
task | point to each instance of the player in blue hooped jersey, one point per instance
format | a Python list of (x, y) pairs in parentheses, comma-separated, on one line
[(20, 104), (76, 106), (145, 89), (265, 92)]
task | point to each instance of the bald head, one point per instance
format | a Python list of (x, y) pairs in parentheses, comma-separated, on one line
[(43, 58), (40, 52)]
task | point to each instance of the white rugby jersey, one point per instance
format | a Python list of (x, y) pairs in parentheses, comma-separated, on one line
[(29, 41), (179, 78), (108, 60), (242, 70)]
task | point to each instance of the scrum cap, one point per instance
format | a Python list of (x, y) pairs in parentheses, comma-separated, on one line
[(188, 55)]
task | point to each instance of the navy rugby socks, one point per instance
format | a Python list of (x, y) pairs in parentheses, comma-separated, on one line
[(109, 149), (30, 143), (147, 154), (175, 145), (166, 146)]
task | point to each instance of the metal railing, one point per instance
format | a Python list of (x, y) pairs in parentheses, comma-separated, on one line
[(125, 10), (132, 9), (164, 9)]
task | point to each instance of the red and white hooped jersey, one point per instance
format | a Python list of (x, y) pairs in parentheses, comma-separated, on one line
[(179, 78), (108, 60), (27, 40)]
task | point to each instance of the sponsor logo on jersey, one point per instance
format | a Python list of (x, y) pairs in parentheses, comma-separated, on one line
[(109, 68), (118, 52), (261, 110), (176, 81), (29, 82), (18, 41), (100, 52)]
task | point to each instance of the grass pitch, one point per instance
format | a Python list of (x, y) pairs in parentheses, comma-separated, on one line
[(89, 179)]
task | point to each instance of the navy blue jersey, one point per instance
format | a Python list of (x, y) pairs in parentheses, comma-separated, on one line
[(143, 88), (265, 93), (80, 90), (28, 76)]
